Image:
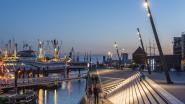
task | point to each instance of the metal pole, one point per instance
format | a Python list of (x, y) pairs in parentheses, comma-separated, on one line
[(163, 61), (15, 81), (140, 38)]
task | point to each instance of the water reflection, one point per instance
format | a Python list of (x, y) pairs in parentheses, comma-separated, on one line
[(69, 89), (45, 97), (70, 92), (55, 97), (63, 85), (40, 96)]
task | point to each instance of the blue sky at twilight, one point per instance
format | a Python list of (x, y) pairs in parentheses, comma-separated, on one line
[(91, 25)]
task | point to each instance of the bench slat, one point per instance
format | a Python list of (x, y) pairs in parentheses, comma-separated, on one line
[(146, 101), (140, 100), (148, 94), (157, 97)]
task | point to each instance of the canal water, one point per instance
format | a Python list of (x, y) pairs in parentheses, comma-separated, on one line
[(70, 92)]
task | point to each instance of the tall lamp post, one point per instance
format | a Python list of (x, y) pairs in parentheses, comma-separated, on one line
[(117, 50), (163, 61), (140, 38), (124, 57), (109, 58)]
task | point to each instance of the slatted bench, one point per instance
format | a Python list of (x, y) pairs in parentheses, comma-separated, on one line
[(169, 98), (136, 91), (115, 87)]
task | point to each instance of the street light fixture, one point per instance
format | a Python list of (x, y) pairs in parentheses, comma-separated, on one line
[(163, 61), (109, 53), (115, 45), (145, 4), (123, 50), (109, 58)]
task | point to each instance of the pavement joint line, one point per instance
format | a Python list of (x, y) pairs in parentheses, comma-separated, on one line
[(112, 78), (112, 83), (166, 95)]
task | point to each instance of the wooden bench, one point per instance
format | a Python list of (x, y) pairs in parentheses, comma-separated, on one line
[(136, 91), (116, 87)]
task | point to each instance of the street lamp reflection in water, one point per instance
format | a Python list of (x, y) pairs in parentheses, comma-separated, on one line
[(63, 85), (69, 87), (45, 97), (40, 96), (55, 97)]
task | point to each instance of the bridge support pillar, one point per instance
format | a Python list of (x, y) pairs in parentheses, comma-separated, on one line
[(16, 76), (67, 72), (33, 72), (46, 71), (38, 71)]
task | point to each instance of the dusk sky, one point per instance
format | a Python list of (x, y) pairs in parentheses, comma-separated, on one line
[(91, 25)]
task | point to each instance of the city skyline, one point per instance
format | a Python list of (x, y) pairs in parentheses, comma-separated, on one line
[(91, 25)]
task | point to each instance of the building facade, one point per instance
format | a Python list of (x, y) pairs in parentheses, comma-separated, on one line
[(179, 48), (124, 57), (183, 45), (179, 45), (139, 56), (173, 62)]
